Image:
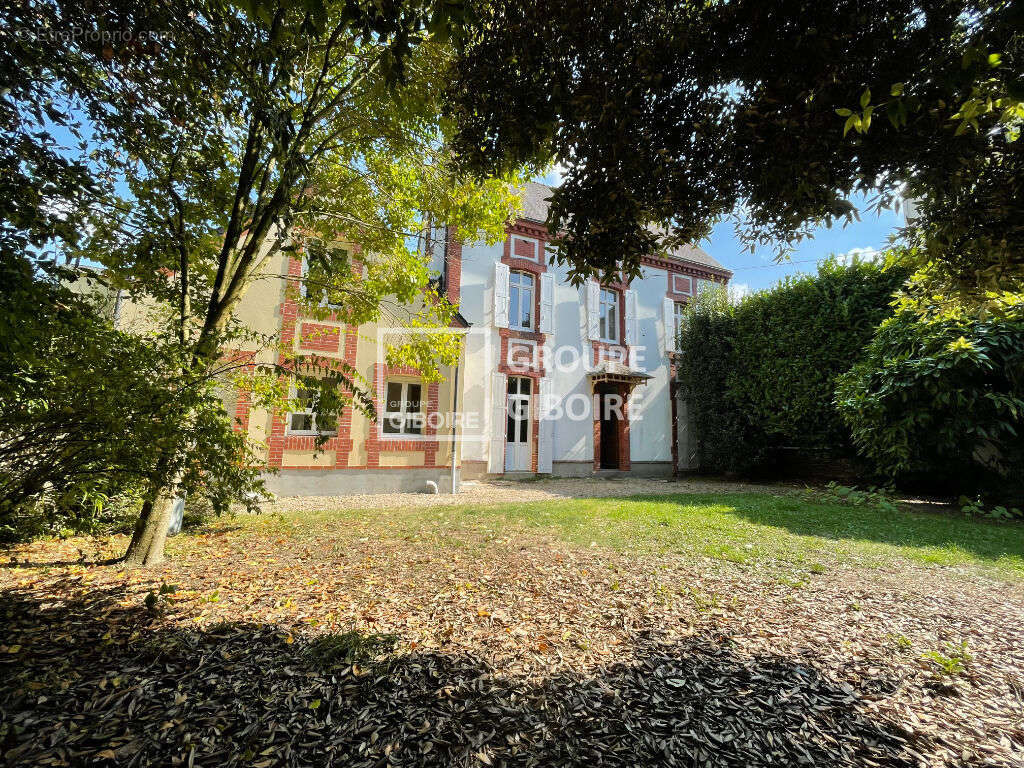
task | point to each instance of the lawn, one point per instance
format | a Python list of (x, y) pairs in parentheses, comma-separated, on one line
[(734, 629), (757, 528)]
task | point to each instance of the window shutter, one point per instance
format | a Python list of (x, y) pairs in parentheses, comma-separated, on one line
[(668, 311), (496, 458), (546, 427), (630, 299), (501, 274), (547, 303), (593, 311)]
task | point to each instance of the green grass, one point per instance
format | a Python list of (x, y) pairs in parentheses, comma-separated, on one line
[(739, 527)]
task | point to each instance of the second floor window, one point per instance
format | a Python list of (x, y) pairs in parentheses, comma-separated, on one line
[(403, 409), (320, 268), (520, 289), (680, 308), (608, 319)]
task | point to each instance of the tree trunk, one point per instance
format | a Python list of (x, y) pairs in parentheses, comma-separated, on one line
[(147, 544)]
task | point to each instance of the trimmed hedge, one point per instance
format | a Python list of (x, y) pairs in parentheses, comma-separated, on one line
[(760, 375)]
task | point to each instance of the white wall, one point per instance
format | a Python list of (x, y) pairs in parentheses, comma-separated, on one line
[(650, 417)]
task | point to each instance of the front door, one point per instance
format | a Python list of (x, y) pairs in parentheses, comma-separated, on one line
[(517, 437), (610, 403)]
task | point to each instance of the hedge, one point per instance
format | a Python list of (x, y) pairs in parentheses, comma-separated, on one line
[(760, 375)]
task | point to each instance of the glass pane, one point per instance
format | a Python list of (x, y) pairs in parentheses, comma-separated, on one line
[(327, 423), (394, 398), (513, 385), (510, 429), (413, 404), (524, 386), (305, 397), (414, 425), (513, 311), (302, 422), (526, 305), (392, 425)]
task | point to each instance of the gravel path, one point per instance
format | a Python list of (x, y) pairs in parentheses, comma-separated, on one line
[(475, 493)]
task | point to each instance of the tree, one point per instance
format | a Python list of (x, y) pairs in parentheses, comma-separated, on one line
[(86, 410), (290, 127), (939, 394), (679, 114)]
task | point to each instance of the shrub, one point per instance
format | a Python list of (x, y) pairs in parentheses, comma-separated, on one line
[(87, 412), (761, 374), (941, 395)]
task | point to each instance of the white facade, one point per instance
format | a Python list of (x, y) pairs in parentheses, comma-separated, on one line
[(560, 348)]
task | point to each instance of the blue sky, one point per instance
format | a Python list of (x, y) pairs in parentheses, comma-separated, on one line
[(758, 270)]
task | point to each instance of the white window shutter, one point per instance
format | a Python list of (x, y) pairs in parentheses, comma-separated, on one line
[(546, 427), (501, 275), (496, 457), (547, 303), (630, 299), (593, 311), (668, 311)]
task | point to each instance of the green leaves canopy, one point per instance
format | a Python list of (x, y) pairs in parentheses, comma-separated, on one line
[(679, 114)]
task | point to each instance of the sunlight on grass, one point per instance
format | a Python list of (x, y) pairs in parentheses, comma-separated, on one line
[(751, 528)]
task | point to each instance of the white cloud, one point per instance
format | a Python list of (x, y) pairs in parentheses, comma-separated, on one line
[(738, 292), (866, 253)]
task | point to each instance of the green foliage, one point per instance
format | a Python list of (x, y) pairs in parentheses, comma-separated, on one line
[(773, 113), (942, 393), (873, 496), (953, 662), (761, 374), (351, 647), (246, 132), (87, 410)]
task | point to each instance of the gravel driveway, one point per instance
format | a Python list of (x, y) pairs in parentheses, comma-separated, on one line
[(475, 493)]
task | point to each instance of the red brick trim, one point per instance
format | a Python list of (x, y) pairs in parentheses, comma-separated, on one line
[(688, 268), (453, 268), (319, 338)]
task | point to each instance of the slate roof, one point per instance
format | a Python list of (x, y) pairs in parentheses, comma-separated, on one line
[(535, 208)]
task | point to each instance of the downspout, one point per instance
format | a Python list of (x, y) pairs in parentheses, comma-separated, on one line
[(455, 410)]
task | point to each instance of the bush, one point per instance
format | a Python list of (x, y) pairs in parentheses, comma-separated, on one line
[(91, 417), (760, 375), (941, 396)]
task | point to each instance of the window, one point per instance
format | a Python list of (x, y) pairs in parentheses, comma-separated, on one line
[(520, 313), (403, 409), (608, 322), (705, 285), (303, 421), (320, 272), (680, 308)]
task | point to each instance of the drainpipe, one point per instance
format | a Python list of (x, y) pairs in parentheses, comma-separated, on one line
[(455, 411)]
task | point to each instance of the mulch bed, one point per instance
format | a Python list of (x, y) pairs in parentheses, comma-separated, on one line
[(346, 649)]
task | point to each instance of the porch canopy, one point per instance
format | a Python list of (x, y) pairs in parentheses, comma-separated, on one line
[(615, 372)]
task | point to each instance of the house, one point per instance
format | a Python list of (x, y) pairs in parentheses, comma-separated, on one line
[(553, 379)]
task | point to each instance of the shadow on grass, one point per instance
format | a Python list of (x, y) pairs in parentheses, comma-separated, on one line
[(91, 681), (986, 540)]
